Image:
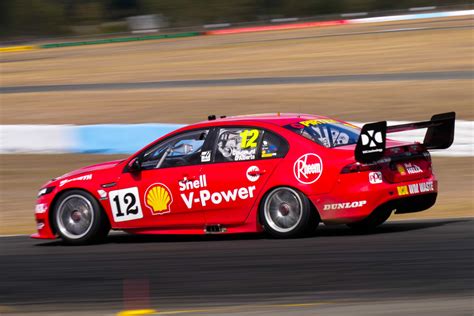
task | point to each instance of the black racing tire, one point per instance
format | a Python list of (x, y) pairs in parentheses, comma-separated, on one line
[(79, 219), (287, 213), (375, 219)]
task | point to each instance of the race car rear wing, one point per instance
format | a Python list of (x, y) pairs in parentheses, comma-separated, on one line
[(371, 143)]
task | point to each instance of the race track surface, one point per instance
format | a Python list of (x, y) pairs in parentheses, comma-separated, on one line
[(434, 75), (334, 271)]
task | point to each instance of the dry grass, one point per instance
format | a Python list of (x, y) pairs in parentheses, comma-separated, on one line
[(410, 100), (22, 175), (282, 53)]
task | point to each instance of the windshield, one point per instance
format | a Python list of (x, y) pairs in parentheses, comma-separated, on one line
[(326, 132)]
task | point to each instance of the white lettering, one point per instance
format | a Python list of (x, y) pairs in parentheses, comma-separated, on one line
[(187, 184), (426, 186), (413, 188), (205, 196), (344, 205), (243, 193), (251, 189), (304, 169), (81, 178), (188, 201), (216, 198), (229, 195), (412, 168)]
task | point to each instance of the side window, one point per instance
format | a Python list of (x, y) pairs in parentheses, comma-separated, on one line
[(237, 144), (273, 146), (181, 150)]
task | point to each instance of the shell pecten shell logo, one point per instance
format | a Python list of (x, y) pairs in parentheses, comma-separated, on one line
[(158, 199)]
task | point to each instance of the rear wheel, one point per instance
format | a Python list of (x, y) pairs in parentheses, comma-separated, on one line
[(78, 218), (286, 213), (376, 218)]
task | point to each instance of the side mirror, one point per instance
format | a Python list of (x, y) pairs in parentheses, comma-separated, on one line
[(134, 164)]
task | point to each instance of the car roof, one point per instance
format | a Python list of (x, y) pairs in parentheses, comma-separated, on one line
[(279, 119)]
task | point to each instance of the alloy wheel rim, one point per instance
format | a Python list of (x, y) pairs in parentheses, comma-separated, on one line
[(75, 216), (283, 210)]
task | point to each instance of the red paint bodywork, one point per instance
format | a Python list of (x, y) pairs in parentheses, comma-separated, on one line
[(332, 187)]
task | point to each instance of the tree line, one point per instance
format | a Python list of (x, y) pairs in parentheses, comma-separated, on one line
[(36, 18)]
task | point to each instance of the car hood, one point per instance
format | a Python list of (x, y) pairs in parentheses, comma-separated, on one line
[(90, 169)]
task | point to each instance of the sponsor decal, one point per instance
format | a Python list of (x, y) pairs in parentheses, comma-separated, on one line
[(307, 123), (188, 184), (244, 154), (415, 188), (253, 173), (102, 194), (158, 199), (412, 168), (402, 190), (206, 156), (308, 168), (401, 170), (375, 177), (316, 122), (41, 208), (372, 139), (266, 154), (81, 178), (344, 205), (125, 204), (249, 138), (205, 197)]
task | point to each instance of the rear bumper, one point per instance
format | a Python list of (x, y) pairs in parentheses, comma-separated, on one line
[(354, 197), (413, 204)]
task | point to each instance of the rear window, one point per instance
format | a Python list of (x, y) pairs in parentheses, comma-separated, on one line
[(326, 132)]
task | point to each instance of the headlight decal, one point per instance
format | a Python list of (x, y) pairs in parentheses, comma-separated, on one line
[(45, 191)]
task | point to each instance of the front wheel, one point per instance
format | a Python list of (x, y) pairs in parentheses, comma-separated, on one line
[(286, 213), (78, 218)]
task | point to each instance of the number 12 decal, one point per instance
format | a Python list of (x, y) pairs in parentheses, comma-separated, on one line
[(125, 204), (249, 138)]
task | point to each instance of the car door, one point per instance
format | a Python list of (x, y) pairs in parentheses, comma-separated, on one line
[(243, 160), (157, 190)]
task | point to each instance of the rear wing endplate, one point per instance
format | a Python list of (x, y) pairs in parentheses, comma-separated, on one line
[(371, 143)]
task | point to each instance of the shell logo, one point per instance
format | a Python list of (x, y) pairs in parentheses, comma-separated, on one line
[(158, 199)]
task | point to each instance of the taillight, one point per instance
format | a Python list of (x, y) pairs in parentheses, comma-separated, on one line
[(427, 156), (359, 167)]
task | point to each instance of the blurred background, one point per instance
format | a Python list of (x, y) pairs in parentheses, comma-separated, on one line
[(67, 66), (89, 81), (30, 19)]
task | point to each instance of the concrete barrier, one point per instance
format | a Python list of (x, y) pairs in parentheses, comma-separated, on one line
[(128, 138), (406, 17)]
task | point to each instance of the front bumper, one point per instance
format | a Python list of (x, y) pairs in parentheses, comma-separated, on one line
[(42, 216)]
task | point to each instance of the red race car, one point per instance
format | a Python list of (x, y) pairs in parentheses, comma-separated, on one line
[(281, 173)]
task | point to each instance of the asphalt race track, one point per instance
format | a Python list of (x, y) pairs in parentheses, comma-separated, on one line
[(433, 75), (420, 267)]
